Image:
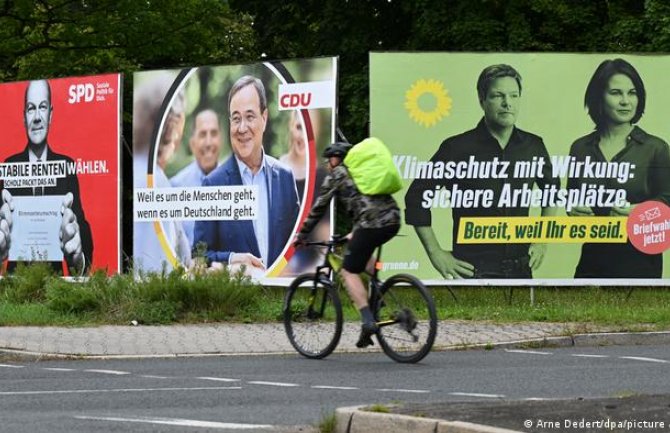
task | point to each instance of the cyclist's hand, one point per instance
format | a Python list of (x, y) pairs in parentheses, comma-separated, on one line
[(349, 236), (449, 266), (247, 259)]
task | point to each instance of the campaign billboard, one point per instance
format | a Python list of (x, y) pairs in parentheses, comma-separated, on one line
[(226, 165), (60, 173), (527, 168)]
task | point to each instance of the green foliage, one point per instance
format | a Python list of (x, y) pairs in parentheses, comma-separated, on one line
[(158, 298), (27, 283), (34, 296), (67, 37), (607, 306), (68, 297), (35, 314), (379, 408), (160, 312), (222, 292), (327, 423)]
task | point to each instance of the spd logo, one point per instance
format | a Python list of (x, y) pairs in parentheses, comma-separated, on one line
[(79, 92)]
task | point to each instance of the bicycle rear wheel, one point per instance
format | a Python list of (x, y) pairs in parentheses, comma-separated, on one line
[(407, 319), (313, 316)]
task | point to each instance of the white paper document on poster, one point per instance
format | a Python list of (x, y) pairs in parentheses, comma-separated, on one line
[(36, 223)]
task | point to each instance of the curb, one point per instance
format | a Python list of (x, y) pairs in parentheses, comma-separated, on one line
[(356, 420), (622, 338), (583, 340)]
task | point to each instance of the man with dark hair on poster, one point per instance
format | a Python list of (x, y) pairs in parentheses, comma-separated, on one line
[(205, 145), (74, 232), (255, 243), (495, 138)]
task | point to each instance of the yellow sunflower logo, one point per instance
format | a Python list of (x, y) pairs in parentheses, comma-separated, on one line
[(430, 94)]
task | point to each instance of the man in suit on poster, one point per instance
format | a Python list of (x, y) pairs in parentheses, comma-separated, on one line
[(495, 138), (255, 243), (205, 144), (74, 233)]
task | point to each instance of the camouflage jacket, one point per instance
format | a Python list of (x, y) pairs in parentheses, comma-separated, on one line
[(366, 211)]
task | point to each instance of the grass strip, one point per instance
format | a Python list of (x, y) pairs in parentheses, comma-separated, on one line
[(33, 296)]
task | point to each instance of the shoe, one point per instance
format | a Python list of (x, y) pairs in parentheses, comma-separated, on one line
[(365, 339)]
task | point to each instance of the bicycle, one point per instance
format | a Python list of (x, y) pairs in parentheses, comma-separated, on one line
[(402, 306)]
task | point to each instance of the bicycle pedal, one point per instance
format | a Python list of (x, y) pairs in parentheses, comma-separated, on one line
[(406, 319)]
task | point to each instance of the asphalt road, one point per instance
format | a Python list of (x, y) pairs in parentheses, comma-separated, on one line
[(234, 393)]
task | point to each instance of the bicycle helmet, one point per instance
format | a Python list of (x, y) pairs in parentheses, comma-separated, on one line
[(339, 148)]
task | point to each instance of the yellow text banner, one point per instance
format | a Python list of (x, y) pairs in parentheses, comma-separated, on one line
[(521, 230)]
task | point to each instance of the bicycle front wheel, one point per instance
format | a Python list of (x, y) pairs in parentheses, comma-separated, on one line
[(407, 319), (313, 316)]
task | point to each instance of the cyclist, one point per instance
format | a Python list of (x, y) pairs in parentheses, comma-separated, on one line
[(376, 220)]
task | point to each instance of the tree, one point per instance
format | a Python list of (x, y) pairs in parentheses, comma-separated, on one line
[(51, 38), (351, 29)]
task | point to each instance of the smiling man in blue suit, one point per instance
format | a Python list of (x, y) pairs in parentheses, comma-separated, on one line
[(256, 243)]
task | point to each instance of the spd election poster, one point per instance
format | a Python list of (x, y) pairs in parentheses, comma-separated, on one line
[(527, 168), (59, 166), (226, 165)]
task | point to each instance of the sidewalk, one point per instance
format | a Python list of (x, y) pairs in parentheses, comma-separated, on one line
[(239, 339), (244, 339)]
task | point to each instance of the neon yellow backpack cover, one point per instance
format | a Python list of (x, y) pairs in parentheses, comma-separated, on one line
[(371, 166)]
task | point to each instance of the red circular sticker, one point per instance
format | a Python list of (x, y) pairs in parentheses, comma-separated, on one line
[(649, 227)]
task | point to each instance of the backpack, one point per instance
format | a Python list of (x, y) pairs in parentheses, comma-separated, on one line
[(372, 169)]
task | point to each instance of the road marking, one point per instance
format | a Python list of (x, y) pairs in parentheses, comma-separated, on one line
[(219, 379), (584, 355), (260, 382), (474, 394), (116, 372), (345, 388), (639, 358), (180, 422), (151, 376), (102, 391), (528, 352), (11, 366), (58, 369), (412, 391)]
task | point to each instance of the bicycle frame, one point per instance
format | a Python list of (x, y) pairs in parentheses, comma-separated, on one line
[(333, 262)]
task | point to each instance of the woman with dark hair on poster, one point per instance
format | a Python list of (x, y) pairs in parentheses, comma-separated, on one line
[(615, 99)]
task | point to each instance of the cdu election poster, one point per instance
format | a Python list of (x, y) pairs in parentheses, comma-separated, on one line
[(226, 165)]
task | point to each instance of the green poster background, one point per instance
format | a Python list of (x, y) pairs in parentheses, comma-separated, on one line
[(552, 106)]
